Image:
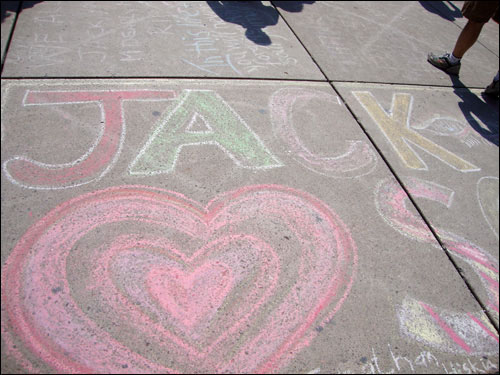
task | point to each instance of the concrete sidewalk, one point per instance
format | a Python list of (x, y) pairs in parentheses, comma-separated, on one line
[(247, 187)]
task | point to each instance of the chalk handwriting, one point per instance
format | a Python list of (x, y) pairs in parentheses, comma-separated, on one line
[(214, 46), (423, 362)]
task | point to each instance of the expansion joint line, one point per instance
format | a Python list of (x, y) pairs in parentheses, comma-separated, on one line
[(11, 32), (393, 172)]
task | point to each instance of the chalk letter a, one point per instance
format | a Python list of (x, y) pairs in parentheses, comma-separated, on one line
[(223, 128)]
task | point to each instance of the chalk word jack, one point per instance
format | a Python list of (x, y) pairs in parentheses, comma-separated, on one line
[(224, 129), (175, 129)]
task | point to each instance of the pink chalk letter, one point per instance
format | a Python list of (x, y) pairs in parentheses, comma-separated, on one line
[(358, 160), (99, 159)]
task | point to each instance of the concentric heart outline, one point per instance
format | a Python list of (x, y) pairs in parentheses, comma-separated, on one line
[(173, 295), (49, 333), (128, 307)]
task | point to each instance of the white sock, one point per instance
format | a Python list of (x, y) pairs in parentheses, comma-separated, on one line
[(453, 59)]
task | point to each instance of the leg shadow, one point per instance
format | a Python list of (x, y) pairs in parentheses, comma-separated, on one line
[(441, 9), (474, 108)]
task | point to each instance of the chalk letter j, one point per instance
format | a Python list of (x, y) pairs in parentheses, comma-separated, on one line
[(100, 157)]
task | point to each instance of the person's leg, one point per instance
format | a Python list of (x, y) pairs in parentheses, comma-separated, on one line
[(477, 14), (467, 38)]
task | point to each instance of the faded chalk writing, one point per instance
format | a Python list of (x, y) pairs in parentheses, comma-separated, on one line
[(132, 48), (358, 160), (423, 362), (213, 45), (120, 37), (55, 42)]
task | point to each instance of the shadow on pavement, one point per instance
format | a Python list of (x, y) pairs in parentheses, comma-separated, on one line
[(474, 109), (291, 6), (9, 7), (441, 9), (251, 15)]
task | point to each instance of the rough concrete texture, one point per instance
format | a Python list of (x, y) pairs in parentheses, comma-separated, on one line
[(376, 41), (438, 155), (9, 11), (284, 225), (156, 39)]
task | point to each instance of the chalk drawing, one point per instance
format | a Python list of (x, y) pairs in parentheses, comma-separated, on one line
[(487, 195), (100, 157), (213, 45), (222, 305), (469, 333), (226, 130), (190, 297), (395, 125), (198, 125), (317, 370), (424, 362), (451, 127), (358, 160)]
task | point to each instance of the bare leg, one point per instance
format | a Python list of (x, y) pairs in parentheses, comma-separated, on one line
[(467, 38)]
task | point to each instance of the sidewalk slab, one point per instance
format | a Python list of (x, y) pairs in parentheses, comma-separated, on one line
[(385, 42), (118, 194), (452, 12), (156, 39), (443, 145), (9, 10)]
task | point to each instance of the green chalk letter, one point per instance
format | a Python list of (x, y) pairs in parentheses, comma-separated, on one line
[(221, 126)]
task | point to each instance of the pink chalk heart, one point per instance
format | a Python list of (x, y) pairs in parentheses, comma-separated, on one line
[(190, 297), (143, 280)]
